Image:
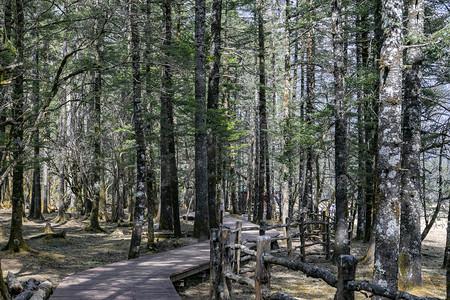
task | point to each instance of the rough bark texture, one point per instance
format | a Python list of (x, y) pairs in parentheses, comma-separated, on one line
[(371, 120), (287, 161), (167, 149), (201, 225), (262, 112), (387, 205), (96, 116), (340, 136), (410, 260), (152, 194), (141, 169), (309, 199), (16, 242), (61, 217), (35, 207), (361, 201), (213, 101)]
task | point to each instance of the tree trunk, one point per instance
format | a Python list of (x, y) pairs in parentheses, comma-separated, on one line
[(152, 194), (96, 116), (16, 242), (45, 189), (410, 260), (287, 162), (201, 225), (141, 169), (262, 112), (387, 227), (61, 217), (169, 219), (213, 102), (35, 208), (340, 134), (310, 95)]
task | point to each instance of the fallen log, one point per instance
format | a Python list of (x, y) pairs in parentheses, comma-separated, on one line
[(43, 292), (28, 289), (13, 284), (61, 235)]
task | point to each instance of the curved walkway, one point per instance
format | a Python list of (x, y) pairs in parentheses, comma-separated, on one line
[(147, 277)]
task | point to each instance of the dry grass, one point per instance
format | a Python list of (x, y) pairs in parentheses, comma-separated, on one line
[(58, 258)]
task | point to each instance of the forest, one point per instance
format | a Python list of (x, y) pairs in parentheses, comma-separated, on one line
[(140, 113)]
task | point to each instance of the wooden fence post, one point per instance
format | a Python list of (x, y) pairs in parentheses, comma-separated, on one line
[(328, 242), (287, 233), (346, 272), (215, 265), (237, 252), (226, 264), (262, 271), (301, 230), (262, 227)]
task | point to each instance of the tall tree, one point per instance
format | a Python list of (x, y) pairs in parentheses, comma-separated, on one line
[(410, 260), (387, 220), (16, 242), (213, 103), (287, 159), (201, 224), (96, 116), (35, 207), (340, 133), (310, 46), (262, 110), (169, 218), (141, 169)]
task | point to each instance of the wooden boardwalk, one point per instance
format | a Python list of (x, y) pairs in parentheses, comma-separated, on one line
[(147, 277)]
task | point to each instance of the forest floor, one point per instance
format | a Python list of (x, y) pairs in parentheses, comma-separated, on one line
[(56, 258)]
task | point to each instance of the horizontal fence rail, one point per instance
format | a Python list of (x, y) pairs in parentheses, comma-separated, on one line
[(226, 258)]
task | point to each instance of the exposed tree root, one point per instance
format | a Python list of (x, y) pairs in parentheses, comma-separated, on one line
[(95, 229)]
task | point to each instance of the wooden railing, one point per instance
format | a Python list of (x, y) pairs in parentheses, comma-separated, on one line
[(226, 268), (315, 230)]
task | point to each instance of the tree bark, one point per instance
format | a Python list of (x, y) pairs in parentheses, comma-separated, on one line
[(287, 161), (169, 180), (16, 242), (213, 102), (152, 194), (61, 217), (342, 245), (410, 260), (309, 110), (35, 207), (201, 224), (141, 168), (96, 116), (387, 205), (262, 112)]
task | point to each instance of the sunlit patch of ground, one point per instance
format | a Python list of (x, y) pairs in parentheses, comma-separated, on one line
[(81, 250)]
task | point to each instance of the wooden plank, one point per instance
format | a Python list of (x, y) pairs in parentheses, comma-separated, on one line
[(147, 277)]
